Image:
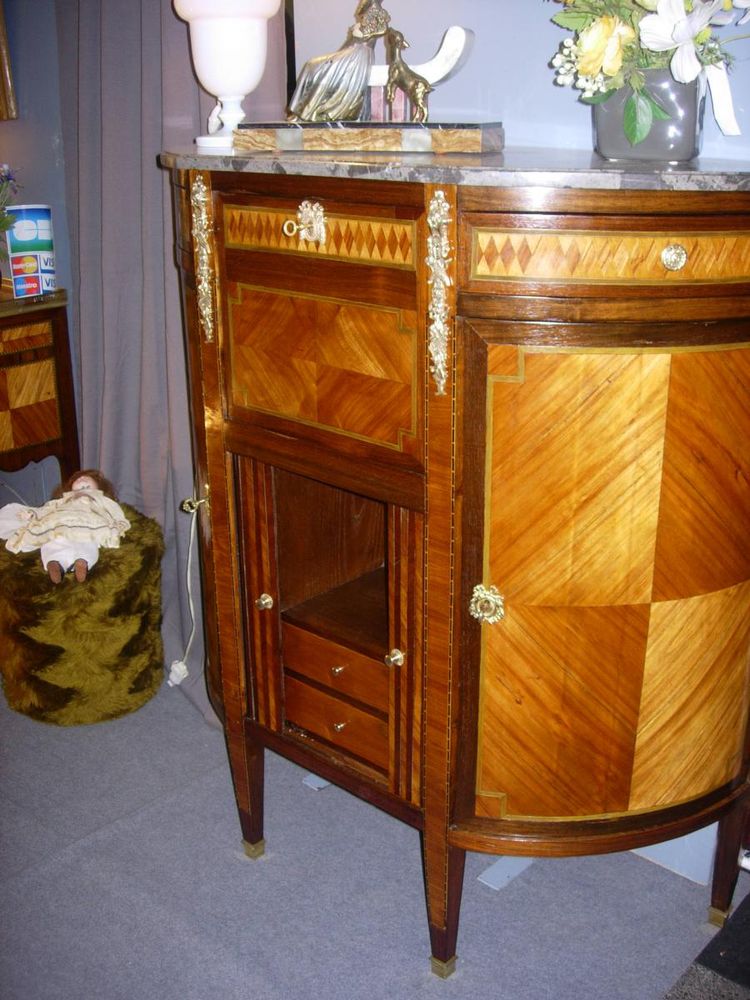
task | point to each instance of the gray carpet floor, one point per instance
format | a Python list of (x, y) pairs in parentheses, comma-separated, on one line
[(123, 878)]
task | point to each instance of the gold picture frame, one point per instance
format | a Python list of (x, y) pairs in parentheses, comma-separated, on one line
[(8, 107)]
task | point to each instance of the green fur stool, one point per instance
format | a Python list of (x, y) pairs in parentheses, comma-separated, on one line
[(78, 653)]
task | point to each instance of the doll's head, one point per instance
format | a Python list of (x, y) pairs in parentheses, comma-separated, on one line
[(86, 479)]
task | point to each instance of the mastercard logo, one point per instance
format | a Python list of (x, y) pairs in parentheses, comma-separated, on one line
[(25, 265)]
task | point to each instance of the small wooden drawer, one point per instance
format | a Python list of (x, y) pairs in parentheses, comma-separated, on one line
[(352, 237), (502, 252), (343, 670), (337, 721)]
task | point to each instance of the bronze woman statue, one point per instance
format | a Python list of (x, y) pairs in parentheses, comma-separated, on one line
[(333, 87)]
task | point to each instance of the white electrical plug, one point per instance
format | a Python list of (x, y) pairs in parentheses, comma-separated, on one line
[(177, 673)]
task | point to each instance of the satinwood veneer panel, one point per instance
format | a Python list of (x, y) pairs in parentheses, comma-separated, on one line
[(560, 695), (703, 542), (575, 473), (617, 528), (348, 368), (694, 706)]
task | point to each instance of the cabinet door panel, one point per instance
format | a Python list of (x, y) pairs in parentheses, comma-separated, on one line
[(617, 512)]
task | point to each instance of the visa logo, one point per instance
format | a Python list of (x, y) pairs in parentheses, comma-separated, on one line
[(47, 261)]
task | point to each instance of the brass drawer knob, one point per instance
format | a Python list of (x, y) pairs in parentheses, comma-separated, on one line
[(674, 257), (339, 726), (487, 605), (337, 671), (310, 224), (394, 659), (264, 602)]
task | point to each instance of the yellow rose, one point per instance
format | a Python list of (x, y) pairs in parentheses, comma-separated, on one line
[(600, 46)]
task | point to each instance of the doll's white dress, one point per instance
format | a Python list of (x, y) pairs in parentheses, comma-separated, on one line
[(73, 526)]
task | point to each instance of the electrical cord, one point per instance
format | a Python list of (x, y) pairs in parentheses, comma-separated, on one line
[(178, 669)]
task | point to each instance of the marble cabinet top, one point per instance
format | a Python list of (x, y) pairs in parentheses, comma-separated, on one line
[(512, 168)]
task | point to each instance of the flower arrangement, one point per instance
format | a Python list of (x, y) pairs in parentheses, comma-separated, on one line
[(8, 191), (615, 41)]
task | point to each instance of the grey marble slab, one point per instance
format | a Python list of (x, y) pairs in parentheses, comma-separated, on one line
[(553, 168)]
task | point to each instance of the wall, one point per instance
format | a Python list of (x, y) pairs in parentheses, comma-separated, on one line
[(507, 78), (33, 145)]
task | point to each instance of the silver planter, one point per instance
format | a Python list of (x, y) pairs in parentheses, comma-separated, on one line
[(673, 141)]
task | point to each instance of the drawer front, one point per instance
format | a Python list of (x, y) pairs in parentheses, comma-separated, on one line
[(349, 237), (338, 722), (18, 335), (498, 255), (342, 670)]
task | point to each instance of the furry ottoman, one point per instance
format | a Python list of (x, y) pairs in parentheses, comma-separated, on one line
[(78, 653)]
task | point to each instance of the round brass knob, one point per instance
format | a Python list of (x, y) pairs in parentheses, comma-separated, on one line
[(264, 602), (674, 257), (487, 605), (394, 659), (337, 671), (338, 726)]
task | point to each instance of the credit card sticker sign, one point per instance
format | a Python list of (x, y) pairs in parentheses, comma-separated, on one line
[(31, 250)]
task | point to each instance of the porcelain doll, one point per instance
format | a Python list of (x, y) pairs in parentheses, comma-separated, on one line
[(82, 516)]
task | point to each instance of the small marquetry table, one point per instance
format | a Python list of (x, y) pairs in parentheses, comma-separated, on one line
[(37, 405)]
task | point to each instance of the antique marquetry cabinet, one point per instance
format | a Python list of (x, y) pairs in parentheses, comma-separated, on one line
[(37, 406), (475, 446)]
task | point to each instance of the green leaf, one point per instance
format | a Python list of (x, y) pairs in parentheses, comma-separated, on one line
[(572, 20), (598, 98), (660, 114), (637, 118)]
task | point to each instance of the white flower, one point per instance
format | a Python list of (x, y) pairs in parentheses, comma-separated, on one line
[(743, 5), (671, 28)]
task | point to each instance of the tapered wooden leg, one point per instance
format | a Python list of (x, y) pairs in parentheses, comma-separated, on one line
[(726, 864), (444, 877), (251, 820)]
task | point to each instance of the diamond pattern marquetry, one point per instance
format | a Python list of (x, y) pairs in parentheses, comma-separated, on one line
[(346, 367), (618, 532), (606, 257), (28, 405), (386, 242)]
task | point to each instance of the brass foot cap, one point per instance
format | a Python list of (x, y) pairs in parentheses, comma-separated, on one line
[(443, 969), (718, 917), (254, 850)]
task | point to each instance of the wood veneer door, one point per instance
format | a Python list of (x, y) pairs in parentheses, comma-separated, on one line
[(617, 529)]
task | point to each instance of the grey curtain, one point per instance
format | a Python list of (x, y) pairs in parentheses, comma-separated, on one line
[(128, 92)]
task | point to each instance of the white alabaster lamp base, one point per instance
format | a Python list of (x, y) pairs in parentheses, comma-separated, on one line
[(228, 40)]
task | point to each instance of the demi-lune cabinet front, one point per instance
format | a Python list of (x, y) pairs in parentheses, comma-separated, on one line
[(476, 543)]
